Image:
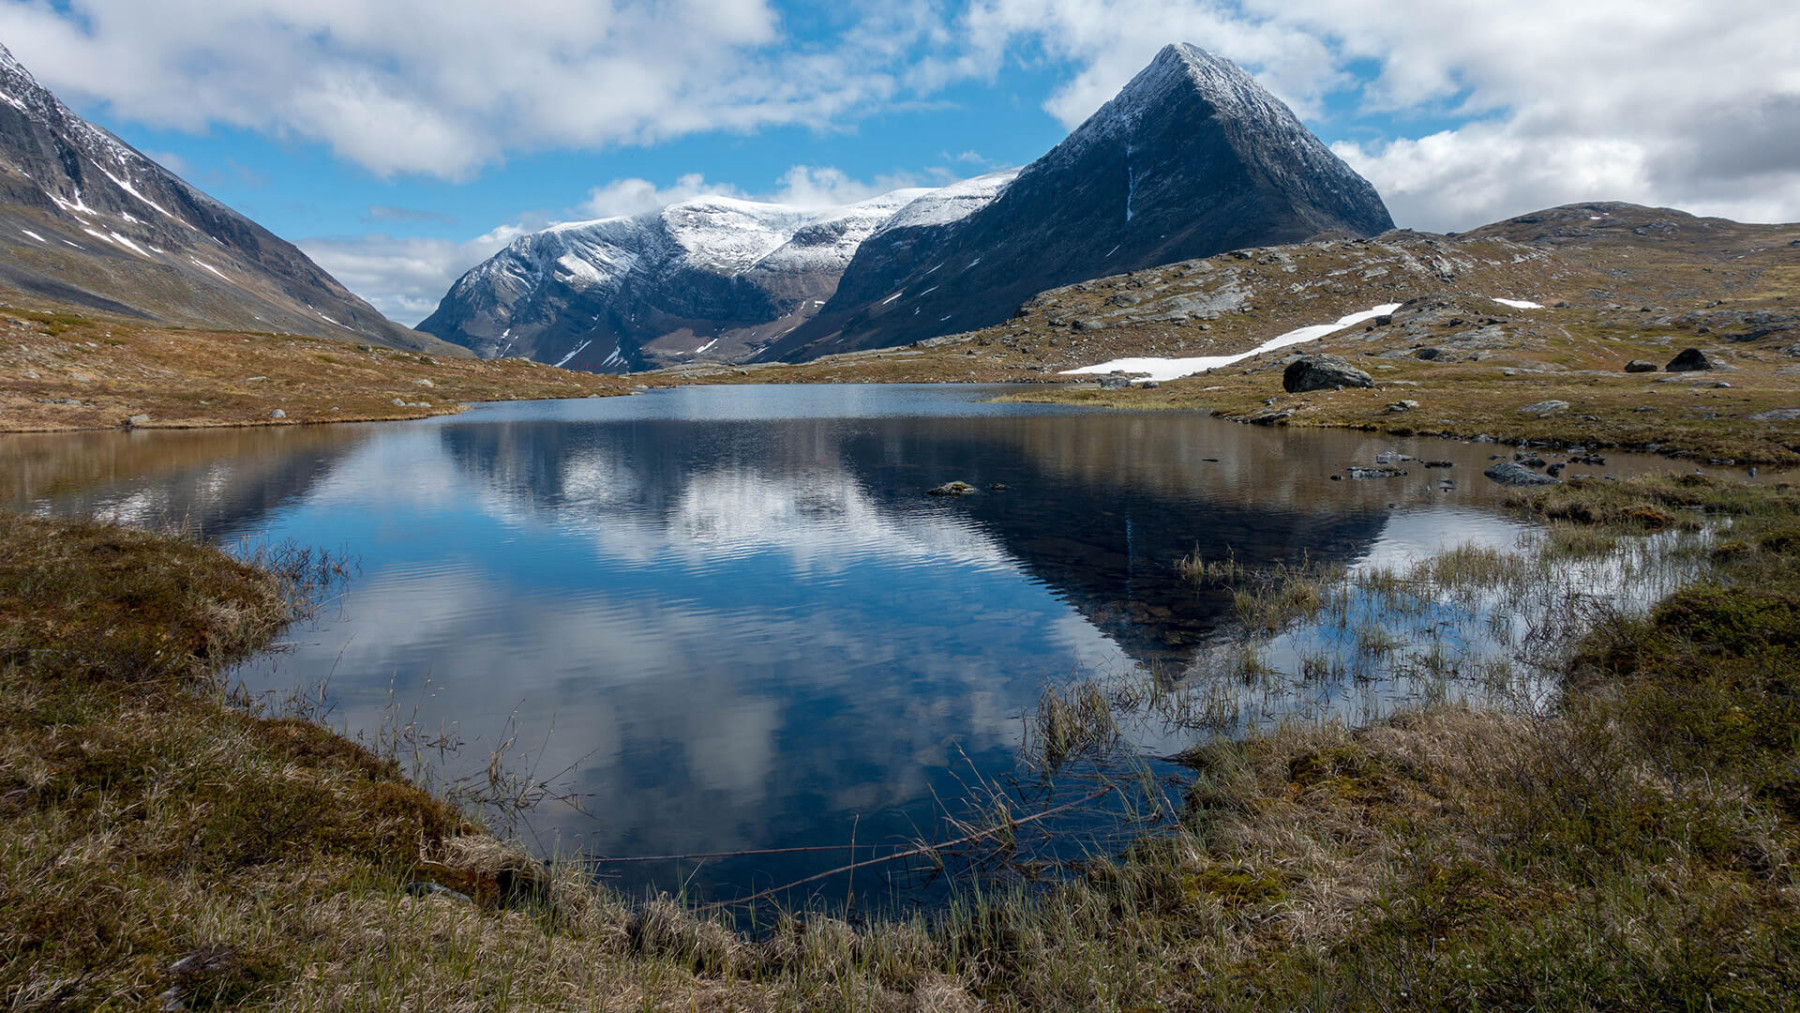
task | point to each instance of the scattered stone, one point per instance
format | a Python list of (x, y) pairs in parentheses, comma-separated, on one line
[(1512, 473), (1528, 458), (1403, 406), (278, 414), (254, 379), (1440, 464), (1640, 366), (426, 888), (1428, 354), (1114, 382), (1361, 472), (31, 374), (1543, 408), (1149, 384), (1271, 418), (137, 420), (953, 489), (1775, 415), (1721, 385), (1690, 359), (1322, 372), (422, 382), (1555, 469), (1337, 478)]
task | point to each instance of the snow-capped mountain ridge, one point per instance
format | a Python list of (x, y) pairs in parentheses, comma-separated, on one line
[(713, 275)]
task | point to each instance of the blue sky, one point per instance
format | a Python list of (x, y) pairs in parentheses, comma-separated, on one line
[(400, 142)]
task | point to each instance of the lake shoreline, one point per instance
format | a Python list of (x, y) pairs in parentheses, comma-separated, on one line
[(1441, 856)]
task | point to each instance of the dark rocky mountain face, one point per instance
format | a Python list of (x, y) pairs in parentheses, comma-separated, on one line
[(87, 220), (1192, 158)]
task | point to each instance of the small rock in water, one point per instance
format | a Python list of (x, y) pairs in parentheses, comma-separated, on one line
[(953, 489), (999, 487), (1360, 472), (1440, 464), (1513, 473)]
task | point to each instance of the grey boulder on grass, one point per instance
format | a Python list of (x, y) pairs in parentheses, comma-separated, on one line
[(1322, 372)]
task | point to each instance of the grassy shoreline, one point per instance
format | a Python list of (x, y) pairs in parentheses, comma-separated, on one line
[(1629, 847), (62, 372)]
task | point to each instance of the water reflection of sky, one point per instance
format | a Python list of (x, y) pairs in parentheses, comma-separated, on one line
[(731, 613)]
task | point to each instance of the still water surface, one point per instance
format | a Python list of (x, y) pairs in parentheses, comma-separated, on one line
[(732, 614)]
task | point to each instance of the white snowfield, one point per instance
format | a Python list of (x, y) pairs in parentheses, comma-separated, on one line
[(1519, 304), (1174, 369)]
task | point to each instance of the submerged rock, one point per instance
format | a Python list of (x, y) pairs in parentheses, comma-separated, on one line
[(1512, 473)]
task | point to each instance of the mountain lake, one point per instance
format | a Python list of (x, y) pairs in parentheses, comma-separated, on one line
[(719, 620)]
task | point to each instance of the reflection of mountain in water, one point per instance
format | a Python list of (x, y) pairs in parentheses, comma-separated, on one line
[(1097, 507), (220, 483)]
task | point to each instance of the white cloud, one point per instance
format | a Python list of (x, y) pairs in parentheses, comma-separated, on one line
[(444, 87), (405, 278)]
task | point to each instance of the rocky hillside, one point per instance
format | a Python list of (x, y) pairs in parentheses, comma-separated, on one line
[(87, 220), (1192, 158)]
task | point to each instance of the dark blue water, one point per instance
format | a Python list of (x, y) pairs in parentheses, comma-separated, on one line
[(730, 618)]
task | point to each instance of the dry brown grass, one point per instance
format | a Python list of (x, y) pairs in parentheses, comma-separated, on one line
[(112, 370)]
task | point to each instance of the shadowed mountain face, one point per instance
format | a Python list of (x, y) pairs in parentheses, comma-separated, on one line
[(86, 219), (1191, 159)]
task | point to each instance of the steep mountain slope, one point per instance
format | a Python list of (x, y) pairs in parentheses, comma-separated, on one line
[(712, 275), (86, 219), (1192, 158)]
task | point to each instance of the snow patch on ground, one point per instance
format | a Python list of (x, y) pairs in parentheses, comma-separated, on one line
[(1519, 304), (891, 298), (34, 235), (1173, 369), (209, 267), (565, 359)]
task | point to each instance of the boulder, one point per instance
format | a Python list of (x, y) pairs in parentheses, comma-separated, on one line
[(137, 420), (1322, 372), (278, 414), (1114, 382), (1691, 359), (1403, 406), (1512, 473), (1640, 366)]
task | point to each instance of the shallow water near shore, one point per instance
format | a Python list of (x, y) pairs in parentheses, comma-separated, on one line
[(731, 619)]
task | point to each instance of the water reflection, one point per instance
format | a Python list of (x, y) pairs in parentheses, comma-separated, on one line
[(732, 614)]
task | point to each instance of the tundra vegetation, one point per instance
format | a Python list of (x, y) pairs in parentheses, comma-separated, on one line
[(1593, 803)]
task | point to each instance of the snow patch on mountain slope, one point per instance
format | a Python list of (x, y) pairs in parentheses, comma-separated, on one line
[(1173, 369), (950, 203)]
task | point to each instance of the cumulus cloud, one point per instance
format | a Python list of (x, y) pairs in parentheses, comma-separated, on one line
[(444, 87), (405, 277)]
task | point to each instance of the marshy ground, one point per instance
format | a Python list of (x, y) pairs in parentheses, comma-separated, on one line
[(1621, 837)]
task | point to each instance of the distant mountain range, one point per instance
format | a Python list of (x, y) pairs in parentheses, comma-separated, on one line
[(89, 221), (1192, 158)]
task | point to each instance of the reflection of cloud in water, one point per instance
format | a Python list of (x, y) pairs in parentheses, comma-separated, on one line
[(1412, 536)]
